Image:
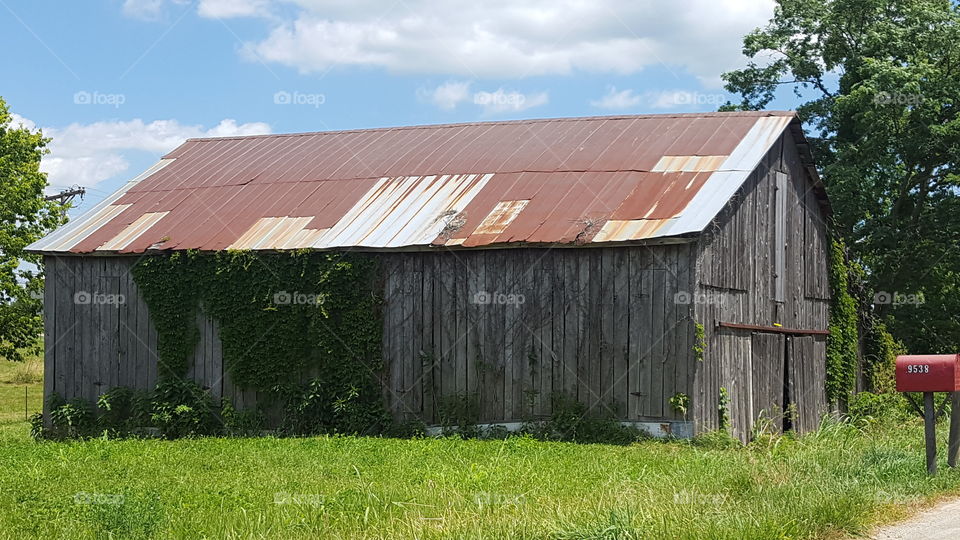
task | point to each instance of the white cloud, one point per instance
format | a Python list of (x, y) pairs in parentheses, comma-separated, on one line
[(501, 38), (624, 99), (18, 121), (448, 95), (147, 10), (502, 101), (143, 9), (87, 154), (225, 9), (679, 99), (451, 94)]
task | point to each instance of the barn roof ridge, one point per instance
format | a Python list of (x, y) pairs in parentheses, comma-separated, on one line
[(711, 114)]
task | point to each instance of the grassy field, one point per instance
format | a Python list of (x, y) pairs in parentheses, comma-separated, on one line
[(17, 380), (833, 483)]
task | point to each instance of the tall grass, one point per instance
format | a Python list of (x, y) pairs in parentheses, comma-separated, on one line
[(838, 480), (29, 371), (16, 380)]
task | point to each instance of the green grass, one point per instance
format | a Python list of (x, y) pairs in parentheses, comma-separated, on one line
[(15, 379), (836, 482)]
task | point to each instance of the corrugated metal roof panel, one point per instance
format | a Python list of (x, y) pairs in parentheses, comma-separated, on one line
[(620, 231), (570, 180), (133, 231), (688, 163)]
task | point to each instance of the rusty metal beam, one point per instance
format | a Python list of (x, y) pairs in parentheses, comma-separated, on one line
[(774, 329)]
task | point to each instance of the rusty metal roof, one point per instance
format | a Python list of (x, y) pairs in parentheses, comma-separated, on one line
[(557, 181)]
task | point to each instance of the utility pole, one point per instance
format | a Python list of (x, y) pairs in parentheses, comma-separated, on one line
[(66, 196)]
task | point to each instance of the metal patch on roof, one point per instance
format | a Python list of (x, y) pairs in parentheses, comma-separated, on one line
[(99, 218), (501, 216), (279, 233), (724, 183), (404, 211), (688, 163), (133, 231), (632, 229)]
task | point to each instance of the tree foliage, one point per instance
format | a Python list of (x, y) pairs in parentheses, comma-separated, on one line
[(24, 217), (880, 85)]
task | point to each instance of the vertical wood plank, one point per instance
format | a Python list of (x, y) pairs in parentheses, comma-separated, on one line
[(50, 334)]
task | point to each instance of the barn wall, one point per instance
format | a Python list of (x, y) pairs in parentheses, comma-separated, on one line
[(598, 324), (95, 341), (736, 263)]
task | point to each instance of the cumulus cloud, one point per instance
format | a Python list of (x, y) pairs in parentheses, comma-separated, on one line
[(452, 94), (504, 39), (493, 39), (613, 99), (88, 154), (448, 95)]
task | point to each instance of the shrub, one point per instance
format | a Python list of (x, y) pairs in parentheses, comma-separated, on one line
[(459, 414), (181, 408), (573, 421), (115, 408), (321, 407), (246, 423), (68, 419), (867, 406)]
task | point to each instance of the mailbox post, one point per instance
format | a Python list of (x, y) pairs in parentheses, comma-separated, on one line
[(929, 373)]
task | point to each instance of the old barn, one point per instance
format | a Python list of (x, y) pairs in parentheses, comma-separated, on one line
[(672, 268)]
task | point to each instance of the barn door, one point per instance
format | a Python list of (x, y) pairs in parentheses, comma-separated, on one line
[(768, 382)]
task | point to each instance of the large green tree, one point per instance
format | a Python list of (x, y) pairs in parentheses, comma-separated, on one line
[(24, 217), (879, 82)]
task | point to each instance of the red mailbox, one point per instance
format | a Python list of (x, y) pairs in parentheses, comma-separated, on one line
[(928, 373)]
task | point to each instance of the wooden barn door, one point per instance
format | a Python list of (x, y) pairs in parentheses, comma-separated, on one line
[(767, 394)]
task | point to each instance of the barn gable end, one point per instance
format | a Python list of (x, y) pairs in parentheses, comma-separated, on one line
[(780, 361)]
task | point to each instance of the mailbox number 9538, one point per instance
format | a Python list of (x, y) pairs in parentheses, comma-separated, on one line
[(918, 368)]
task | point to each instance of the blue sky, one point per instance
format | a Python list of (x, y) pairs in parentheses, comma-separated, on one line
[(118, 83)]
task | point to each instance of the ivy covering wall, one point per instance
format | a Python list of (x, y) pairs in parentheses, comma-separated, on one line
[(304, 328), (856, 333), (842, 343)]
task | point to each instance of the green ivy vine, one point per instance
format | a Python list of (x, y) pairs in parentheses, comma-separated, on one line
[(842, 341), (699, 342), (303, 327), (173, 308)]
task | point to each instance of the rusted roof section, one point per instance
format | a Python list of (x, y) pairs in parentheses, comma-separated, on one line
[(559, 181)]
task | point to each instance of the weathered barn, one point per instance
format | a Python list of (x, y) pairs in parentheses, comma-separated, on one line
[(650, 263)]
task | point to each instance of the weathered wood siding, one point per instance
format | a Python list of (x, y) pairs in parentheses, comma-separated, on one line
[(93, 345), (508, 328), (736, 278), (602, 325)]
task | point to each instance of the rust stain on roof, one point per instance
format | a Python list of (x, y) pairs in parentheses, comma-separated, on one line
[(501, 216), (531, 181)]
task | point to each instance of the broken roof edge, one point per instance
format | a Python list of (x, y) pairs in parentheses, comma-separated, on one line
[(60, 238), (413, 248)]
